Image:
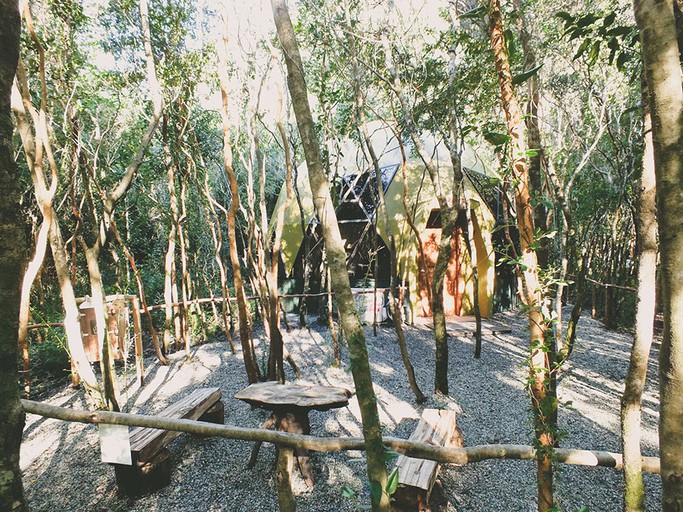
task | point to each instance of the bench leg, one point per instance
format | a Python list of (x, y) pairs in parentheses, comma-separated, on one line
[(143, 477)]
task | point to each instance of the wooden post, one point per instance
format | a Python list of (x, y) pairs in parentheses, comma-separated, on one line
[(285, 462), (608, 307), (594, 310), (75, 379), (139, 365)]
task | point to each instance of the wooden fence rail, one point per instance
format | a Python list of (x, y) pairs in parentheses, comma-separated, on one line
[(466, 455), (231, 299)]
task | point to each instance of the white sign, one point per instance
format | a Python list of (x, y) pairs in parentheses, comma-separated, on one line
[(115, 444)]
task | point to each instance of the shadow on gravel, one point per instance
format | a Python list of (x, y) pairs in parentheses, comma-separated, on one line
[(209, 474)]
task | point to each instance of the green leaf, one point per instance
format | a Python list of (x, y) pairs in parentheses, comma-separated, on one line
[(586, 20), (510, 41), (389, 455), (347, 492), (548, 405), (609, 19), (621, 30), (621, 61), (392, 482), (582, 48), (628, 111), (565, 16), (613, 45), (594, 52), (576, 33), (375, 490), (525, 75), (497, 139)]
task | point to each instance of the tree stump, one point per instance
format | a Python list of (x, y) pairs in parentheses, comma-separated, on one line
[(147, 476)]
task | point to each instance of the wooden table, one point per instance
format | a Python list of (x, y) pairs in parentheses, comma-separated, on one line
[(290, 405)]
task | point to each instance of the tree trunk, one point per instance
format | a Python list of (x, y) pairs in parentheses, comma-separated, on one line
[(660, 53), (631, 402), (544, 403), (101, 319), (217, 237), (535, 144), (34, 144), (251, 366), (330, 316), (336, 255), (106, 222), (12, 263), (185, 279), (472, 250), (34, 267), (276, 368), (448, 221)]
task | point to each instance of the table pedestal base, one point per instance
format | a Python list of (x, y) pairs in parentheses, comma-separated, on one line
[(295, 422)]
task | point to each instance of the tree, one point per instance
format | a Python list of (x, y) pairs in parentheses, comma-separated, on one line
[(631, 402), (660, 53), (253, 373), (37, 150), (12, 263), (336, 257), (541, 353)]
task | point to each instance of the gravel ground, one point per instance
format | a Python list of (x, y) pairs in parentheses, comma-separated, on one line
[(61, 460)]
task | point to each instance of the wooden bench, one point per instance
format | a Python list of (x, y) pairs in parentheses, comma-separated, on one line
[(416, 477), (151, 468)]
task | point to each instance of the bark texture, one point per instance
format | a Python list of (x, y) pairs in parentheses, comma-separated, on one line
[(336, 257), (631, 402), (541, 354), (12, 262), (36, 147), (660, 53)]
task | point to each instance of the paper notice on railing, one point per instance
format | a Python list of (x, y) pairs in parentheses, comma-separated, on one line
[(115, 444)]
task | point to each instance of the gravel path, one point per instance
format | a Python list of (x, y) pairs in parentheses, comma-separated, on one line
[(61, 460)]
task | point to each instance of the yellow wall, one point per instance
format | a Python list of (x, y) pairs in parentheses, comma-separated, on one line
[(420, 198)]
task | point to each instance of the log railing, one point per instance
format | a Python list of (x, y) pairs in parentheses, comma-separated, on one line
[(221, 299), (466, 455)]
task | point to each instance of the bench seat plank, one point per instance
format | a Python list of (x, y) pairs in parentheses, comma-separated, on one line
[(146, 442), (436, 427)]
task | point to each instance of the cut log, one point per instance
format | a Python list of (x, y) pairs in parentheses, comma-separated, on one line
[(144, 477), (416, 477)]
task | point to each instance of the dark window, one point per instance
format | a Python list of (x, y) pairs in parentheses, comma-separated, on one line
[(434, 220)]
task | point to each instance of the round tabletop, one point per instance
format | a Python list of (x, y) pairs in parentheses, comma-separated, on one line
[(273, 395)]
